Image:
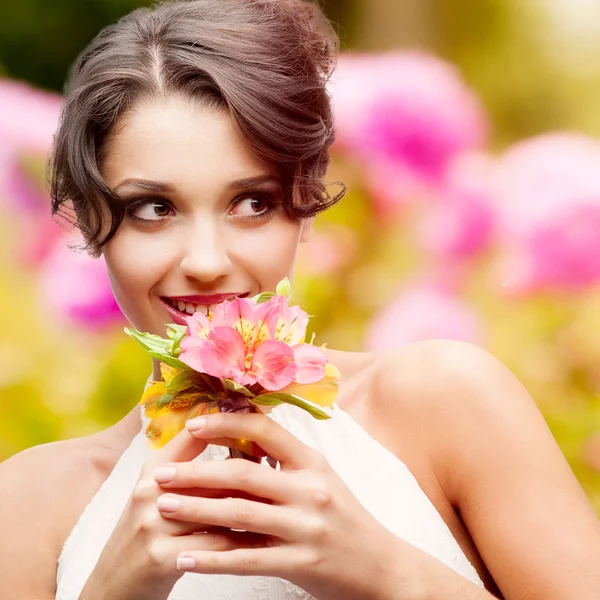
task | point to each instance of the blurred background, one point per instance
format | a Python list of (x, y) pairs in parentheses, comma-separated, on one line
[(468, 136)]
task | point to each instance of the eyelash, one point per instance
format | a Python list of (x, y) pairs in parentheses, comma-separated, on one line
[(269, 197)]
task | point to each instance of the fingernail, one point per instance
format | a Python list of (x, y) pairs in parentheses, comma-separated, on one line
[(186, 563), (196, 424), (168, 503), (164, 474)]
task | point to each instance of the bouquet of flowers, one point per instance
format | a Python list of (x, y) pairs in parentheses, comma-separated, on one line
[(248, 355)]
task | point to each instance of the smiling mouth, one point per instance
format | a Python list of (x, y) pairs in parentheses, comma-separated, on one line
[(190, 305)]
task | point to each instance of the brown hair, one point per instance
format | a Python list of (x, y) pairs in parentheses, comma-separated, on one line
[(265, 61)]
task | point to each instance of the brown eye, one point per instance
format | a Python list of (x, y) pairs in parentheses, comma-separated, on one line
[(152, 210), (252, 207)]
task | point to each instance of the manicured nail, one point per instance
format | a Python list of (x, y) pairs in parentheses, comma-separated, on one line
[(165, 474), (196, 424), (186, 563), (168, 503)]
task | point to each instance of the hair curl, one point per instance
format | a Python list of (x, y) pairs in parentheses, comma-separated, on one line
[(266, 62)]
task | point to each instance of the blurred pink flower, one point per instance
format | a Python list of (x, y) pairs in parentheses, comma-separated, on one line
[(423, 312), (547, 193), (462, 223), (28, 116), (28, 120), (329, 251), (410, 111), (76, 288)]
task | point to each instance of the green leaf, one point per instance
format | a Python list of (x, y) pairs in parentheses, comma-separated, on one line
[(169, 360), (263, 297), (150, 342), (157, 347), (214, 383), (234, 386), (184, 381), (176, 333), (164, 400), (275, 398)]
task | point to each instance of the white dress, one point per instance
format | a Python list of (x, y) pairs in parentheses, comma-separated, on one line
[(380, 481)]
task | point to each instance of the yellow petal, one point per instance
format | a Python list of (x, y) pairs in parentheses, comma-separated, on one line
[(167, 424), (322, 393), (168, 373), (151, 397)]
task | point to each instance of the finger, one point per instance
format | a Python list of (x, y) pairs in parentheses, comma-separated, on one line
[(182, 448), (215, 539), (271, 562), (246, 446), (269, 435), (236, 513), (249, 478), (215, 493), (173, 527)]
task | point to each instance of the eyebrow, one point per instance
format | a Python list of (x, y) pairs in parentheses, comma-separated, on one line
[(162, 187)]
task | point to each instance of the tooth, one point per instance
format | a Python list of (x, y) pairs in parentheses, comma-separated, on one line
[(189, 308), (211, 308), (198, 308), (204, 310), (181, 305)]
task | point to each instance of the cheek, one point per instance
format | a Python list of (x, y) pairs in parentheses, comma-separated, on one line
[(135, 263), (268, 252)]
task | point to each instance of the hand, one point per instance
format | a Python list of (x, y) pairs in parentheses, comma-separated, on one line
[(300, 523), (139, 560)]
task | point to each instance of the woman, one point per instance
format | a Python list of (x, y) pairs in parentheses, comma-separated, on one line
[(191, 154)]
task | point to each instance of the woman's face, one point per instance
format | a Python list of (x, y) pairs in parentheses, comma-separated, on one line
[(204, 220)]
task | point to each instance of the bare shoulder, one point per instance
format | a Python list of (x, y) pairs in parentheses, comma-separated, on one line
[(465, 399), (491, 451), (44, 490)]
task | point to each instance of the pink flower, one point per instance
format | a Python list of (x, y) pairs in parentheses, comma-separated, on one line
[(76, 288), (410, 111), (420, 313), (547, 194), (462, 223), (329, 251), (28, 120), (253, 343), (28, 116)]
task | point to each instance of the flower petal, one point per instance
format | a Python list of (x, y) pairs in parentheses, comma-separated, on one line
[(151, 397), (193, 349), (289, 323), (273, 365), (166, 425), (322, 393), (221, 355), (198, 325), (245, 316), (168, 373), (311, 362)]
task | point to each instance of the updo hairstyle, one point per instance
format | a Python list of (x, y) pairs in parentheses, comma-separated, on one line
[(266, 62)]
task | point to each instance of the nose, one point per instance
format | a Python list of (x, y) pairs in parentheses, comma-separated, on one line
[(205, 253)]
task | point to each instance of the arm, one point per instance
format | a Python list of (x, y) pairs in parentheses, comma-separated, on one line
[(503, 472), (33, 510)]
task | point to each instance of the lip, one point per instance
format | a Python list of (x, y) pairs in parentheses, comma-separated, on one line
[(207, 300), (176, 315), (181, 318)]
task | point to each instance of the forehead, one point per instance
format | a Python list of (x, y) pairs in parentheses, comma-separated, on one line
[(180, 141)]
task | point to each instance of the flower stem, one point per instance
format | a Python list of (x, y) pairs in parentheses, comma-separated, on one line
[(238, 403)]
